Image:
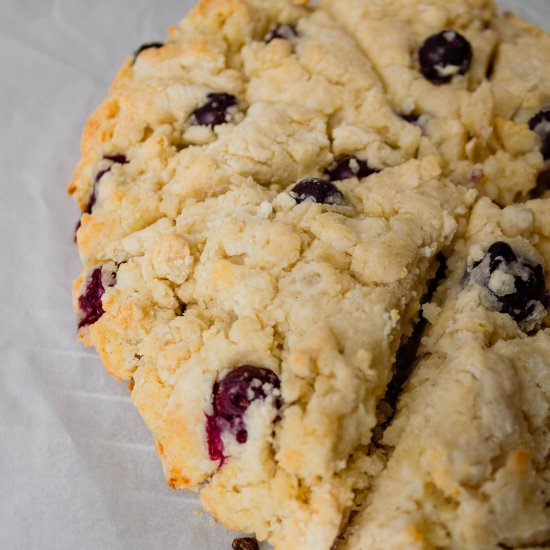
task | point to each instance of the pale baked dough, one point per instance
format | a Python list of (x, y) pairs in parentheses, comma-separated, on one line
[(477, 124), (470, 442)]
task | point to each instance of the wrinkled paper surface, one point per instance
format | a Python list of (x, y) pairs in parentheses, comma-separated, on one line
[(77, 466)]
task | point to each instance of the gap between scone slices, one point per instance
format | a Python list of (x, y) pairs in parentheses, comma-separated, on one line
[(257, 238), (469, 445)]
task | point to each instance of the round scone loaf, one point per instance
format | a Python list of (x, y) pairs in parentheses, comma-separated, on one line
[(267, 198)]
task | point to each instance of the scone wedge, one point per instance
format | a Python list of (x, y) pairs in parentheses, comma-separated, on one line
[(470, 442)]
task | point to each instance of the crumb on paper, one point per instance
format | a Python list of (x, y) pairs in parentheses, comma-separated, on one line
[(245, 543)]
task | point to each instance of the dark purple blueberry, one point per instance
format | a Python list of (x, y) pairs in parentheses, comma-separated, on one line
[(543, 184), (529, 289), (231, 397), (500, 252), (443, 55), (214, 439), (240, 387), (89, 302), (348, 167), (95, 190), (148, 46), (411, 118), (245, 543), (317, 190), (540, 124), (214, 111), (284, 32), (77, 227), (116, 158)]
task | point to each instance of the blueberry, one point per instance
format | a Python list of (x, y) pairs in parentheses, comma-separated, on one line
[(348, 167), (284, 32), (239, 388), (411, 118), (543, 184), (95, 185), (148, 46), (540, 124), (77, 227), (89, 302), (500, 252), (526, 297), (214, 439), (214, 111), (443, 55), (231, 396), (115, 159), (317, 190)]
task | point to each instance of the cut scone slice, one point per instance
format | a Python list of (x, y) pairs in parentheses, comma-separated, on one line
[(313, 296), (470, 464), (320, 295), (470, 446), (449, 68)]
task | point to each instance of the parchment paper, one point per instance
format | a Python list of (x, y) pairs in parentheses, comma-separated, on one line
[(77, 466)]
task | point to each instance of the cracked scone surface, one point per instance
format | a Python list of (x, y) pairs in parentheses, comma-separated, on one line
[(477, 122), (260, 223), (470, 441)]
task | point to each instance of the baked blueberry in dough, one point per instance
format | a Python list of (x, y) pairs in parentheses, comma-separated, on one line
[(147, 46), (347, 167), (231, 397), (90, 308), (284, 32), (540, 123), (316, 190), (515, 285), (215, 110), (444, 55)]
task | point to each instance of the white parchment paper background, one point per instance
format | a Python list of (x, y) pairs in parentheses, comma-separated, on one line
[(77, 466)]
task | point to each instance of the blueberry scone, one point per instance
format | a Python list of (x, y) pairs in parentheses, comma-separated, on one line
[(470, 443), (262, 216)]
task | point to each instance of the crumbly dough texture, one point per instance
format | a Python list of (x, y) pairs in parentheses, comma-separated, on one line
[(476, 125), (470, 442), (212, 264)]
